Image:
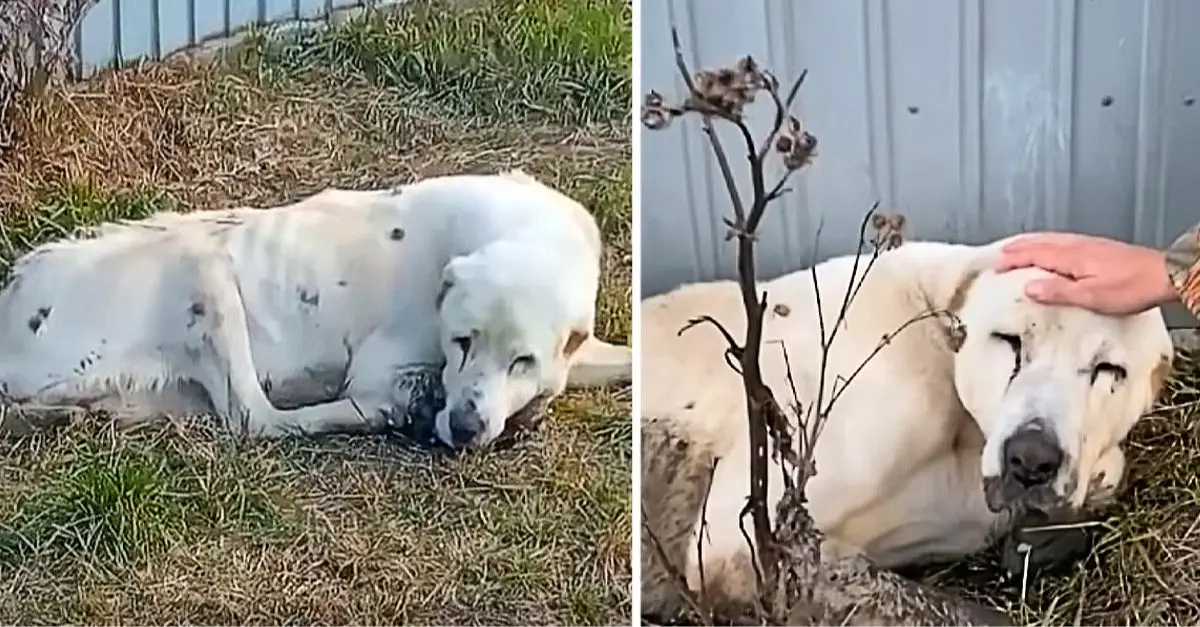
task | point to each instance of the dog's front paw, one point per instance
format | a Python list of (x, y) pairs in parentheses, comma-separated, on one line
[(420, 395), (1037, 546)]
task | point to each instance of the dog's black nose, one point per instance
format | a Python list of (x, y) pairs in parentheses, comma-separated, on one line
[(1032, 457), (465, 424)]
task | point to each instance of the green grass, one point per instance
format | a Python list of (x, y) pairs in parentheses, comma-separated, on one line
[(177, 524), (117, 506), (64, 210), (512, 60)]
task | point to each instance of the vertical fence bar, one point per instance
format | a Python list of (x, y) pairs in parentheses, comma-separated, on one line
[(295, 9), (227, 17), (155, 30), (328, 10), (262, 12), (116, 33), (191, 25)]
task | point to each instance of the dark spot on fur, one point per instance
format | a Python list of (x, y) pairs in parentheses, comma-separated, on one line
[(681, 445), (782, 310), (690, 405), (956, 334), (86, 362), (196, 311), (38, 319), (312, 387), (312, 299), (192, 353), (342, 283), (397, 234)]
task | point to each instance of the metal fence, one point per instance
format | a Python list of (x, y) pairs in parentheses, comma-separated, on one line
[(974, 118), (117, 31)]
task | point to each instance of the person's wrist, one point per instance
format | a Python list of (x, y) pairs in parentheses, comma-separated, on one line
[(1165, 290)]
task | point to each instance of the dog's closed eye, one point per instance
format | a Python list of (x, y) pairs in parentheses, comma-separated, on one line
[(521, 363), (1014, 341), (1118, 373), (464, 344)]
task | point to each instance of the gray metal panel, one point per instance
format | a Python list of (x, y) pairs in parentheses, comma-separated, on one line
[(125, 30), (976, 119)]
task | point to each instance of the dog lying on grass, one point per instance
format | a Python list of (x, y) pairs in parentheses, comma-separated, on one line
[(443, 307), (963, 431)]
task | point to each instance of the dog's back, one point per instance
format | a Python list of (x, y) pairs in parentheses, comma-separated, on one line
[(690, 394)]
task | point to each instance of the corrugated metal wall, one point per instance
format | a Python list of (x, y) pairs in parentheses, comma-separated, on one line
[(974, 118), (125, 30)]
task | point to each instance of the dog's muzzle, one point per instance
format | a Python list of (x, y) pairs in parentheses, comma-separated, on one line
[(1032, 461), (465, 424)]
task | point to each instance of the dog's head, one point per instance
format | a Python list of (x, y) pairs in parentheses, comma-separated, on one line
[(510, 321), (1055, 390)]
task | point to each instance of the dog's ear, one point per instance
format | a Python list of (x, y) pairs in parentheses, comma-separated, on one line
[(441, 295), (450, 274), (955, 330), (575, 339), (1158, 377)]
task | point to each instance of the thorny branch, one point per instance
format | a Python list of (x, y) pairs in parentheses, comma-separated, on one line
[(723, 94)]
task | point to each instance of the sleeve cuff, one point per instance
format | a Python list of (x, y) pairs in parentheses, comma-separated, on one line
[(1183, 264)]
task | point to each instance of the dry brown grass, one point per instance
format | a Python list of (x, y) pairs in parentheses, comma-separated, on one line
[(169, 524)]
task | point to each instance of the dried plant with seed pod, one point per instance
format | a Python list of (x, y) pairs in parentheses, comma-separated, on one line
[(723, 94), (888, 230)]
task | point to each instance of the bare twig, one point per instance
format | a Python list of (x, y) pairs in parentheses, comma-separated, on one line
[(677, 577), (723, 94), (708, 612)]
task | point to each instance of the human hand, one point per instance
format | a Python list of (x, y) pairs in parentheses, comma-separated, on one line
[(1103, 275)]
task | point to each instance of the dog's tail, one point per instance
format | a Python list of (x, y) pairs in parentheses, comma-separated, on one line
[(600, 364)]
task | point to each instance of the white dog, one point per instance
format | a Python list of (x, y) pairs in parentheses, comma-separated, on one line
[(453, 302), (942, 444)]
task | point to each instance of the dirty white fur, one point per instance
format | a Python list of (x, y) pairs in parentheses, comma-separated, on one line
[(264, 316), (902, 459)]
